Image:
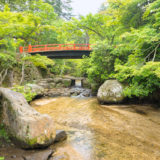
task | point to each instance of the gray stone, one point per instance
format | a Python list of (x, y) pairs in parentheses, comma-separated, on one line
[(35, 88), (13, 156), (110, 92), (52, 85), (66, 94), (57, 80), (27, 127), (39, 155), (59, 85), (87, 93), (44, 85), (60, 136), (50, 80)]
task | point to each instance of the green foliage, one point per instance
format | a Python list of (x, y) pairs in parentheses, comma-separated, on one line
[(7, 60), (92, 28), (39, 61), (140, 81), (101, 63), (16, 28), (62, 8), (84, 66), (67, 67), (26, 91), (126, 34), (3, 133)]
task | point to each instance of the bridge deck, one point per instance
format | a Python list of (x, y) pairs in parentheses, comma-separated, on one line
[(59, 51), (55, 47)]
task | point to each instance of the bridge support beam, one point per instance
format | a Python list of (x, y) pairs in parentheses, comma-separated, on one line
[(64, 54)]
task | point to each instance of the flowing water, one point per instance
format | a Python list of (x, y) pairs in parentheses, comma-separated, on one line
[(103, 132), (78, 83)]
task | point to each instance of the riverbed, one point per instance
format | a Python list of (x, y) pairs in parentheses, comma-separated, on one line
[(98, 132), (103, 132)]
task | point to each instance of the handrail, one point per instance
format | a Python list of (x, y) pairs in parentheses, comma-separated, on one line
[(54, 47)]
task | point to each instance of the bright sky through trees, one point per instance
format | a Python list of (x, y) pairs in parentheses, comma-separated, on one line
[(84, 7)]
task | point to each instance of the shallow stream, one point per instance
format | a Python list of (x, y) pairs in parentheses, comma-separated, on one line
[(103, 132)]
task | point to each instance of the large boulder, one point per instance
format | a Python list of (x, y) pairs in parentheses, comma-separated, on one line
[(26, 127), (110, 92)]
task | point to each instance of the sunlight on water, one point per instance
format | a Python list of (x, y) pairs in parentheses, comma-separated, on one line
[(101, 132)]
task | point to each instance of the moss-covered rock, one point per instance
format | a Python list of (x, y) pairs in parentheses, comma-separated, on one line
[(58, 80), (26, 127), (66, 82), (110, 92), (59, 85)]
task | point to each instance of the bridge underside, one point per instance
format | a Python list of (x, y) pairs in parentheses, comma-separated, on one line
[(78, 54)]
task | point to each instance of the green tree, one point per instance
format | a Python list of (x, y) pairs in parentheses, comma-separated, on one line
[(62, 8)]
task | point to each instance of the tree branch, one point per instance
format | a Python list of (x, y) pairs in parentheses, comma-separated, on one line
[(155, 52), (99, 34)]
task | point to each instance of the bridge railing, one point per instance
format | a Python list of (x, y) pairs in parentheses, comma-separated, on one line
[(54, 47)]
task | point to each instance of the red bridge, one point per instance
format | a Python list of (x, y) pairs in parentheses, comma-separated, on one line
[(58, 51)]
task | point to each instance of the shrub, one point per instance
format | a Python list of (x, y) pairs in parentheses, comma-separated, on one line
[(26, 91), (39, 61), (141, 81)]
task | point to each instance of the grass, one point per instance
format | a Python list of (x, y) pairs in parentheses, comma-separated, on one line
[(3, 134)]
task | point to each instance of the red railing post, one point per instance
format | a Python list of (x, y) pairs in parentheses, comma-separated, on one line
[(60, 46), (89, 47), (45, 47), (74, 47), (21, 49), (29, 48)]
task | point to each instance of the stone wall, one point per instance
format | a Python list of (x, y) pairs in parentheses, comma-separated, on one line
[(14, 76)]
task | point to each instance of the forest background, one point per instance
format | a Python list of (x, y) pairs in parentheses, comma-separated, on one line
[(126, 34)]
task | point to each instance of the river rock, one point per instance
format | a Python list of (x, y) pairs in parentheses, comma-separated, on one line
[(27, 127), (35, 88), (60, 136), (110, 92), (39, 155), (86, 93), (52, 85)]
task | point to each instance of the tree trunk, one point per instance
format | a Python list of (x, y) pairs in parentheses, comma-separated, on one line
[(22, 78), (10, 77)]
